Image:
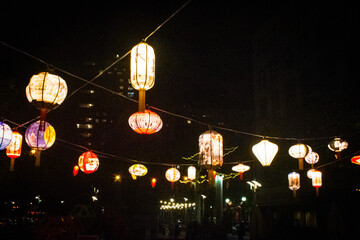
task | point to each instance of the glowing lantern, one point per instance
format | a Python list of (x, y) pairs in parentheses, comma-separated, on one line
[(265, 152), (211, 149), (312, 158), (88, 162), (241, 168), (191, 173), (146, 122), (317, 180), (5, 135), (172, 175), (75, 170), (40, 139), (153, 182), (137, 170), (310, 172), (338, 145), (13, 150), (356, 160), (294, 182), (299, 151)]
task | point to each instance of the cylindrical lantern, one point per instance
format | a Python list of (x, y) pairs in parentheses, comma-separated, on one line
[(211, 149), (88, 162), (356, 160), (153, 182), (146, 122), (317, 180), (172, 175), (137, 170), (5, 135), (191, 173), (299, 151), (241, 168), (75, 170), (265, 152), (294, 182), (13, 150)]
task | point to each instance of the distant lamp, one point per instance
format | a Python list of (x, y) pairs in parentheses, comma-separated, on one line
[(241, 168), (137, 170), (265, 152), (299, 151), (5, 135), (356, 160), (294, 182), (88, 162), (211, 149), (153, 182), (312, 158), (146, 122), (317, 180), (191, 173), (338, 145), (13, 150)]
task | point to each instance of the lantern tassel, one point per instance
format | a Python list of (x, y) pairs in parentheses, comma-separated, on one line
[(294, 193), (12, 164), (37, 158), (317, 192), (42, 119), (241, 176), (301, 164)]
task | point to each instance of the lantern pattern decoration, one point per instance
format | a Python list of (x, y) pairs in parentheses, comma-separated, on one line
[(13, 150), (5, 135), (356, 160), (153, 182), (88, 162), (294, 182), (338, 145), (191, 171), (146, 122), (75, 170), (265, 151), (172, 175), (299, 151), (40, 139), (312, 158), (241, 168), (316, 180), (211, 149), (137, 170)]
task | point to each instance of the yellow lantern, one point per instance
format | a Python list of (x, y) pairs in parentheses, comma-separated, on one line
[(241, 168), (299, 151), (265, 152), (191, 173), (137, 170), (172, 175), (294, 182), (211, 149)]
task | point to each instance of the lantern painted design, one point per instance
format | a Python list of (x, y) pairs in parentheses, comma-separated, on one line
[(356, 160), (265, 152), (40, 139), (5, 135), (299, 151), (241, 168), (75, 170), (153, 182), (146, 122), (88, 162), (191, 173), (294, 182), (46, 91), (172, 175), (137, 170), (13, 150), (211, 149)]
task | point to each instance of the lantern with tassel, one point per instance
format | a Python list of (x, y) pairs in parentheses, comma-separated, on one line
[(13, 150), (316, 180), (241, 168), (265, 151), (299, 151)]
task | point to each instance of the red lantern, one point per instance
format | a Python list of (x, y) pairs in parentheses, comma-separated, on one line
[(88, 162), (241, 168), (13, 150), (75, 170), (146, 122), (153, 182), (356, 160), (317, 180)]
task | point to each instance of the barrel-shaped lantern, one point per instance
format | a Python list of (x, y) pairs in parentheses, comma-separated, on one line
[(191, 173), (88, 162), (211, 149), (13, 150)]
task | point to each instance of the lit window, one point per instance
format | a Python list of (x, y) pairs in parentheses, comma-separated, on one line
[(130, 94), (86, 105), (86, 134), (86, 126)]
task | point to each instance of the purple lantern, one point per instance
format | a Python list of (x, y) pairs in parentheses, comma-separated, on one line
[(5, 135)]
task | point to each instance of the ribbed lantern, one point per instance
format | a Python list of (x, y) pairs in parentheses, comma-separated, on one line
[(191, 173), (316, 180), (211, 149), (312, 158), (137, 170), (241, 168), (13, 150), (88, 162), (356, 160), (146, 122), (172, 175), (338, 145), (5, 135), (299, 151), (265, 151), (294, 182)]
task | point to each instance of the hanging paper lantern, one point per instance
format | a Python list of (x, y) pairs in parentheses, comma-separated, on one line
[(299, 151), (13, 150), (146, 122), (211, 149), (310, 172), (191, 173), (356, 160), (75, 170), (265, 152), (172, 175), (88, 162), (153, 182), (312, 158), (317, 180), (338, 145), (294, 182), (137, 170), (241, 168), (5, 135)]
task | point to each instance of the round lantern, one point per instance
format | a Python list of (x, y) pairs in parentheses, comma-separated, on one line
[(211, 149), (355, 160), (153, 182), (338, 145), (137, 170), (241, 168), (294, 182), (172, 175), (146, 122), (5, 135), (13, 150), (299, 151), (75, 170), (312, 158), (310, 172), (40, 139), (265, 152), (88, 162), (191, 173)]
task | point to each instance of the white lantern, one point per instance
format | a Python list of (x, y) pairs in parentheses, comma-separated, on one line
[(211, 149), (172, 175), (299, 151), (191, 173), (312, 158), (265, 152)]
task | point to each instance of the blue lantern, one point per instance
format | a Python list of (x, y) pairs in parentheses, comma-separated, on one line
[(5, 135)]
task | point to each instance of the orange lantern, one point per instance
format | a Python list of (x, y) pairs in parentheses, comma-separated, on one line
[(317, 180), (137, 170), (299, 151), (75, 170), (146, 122), (241, 168), (153, 182), (356, 160), (13, 150), (88, 162)]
